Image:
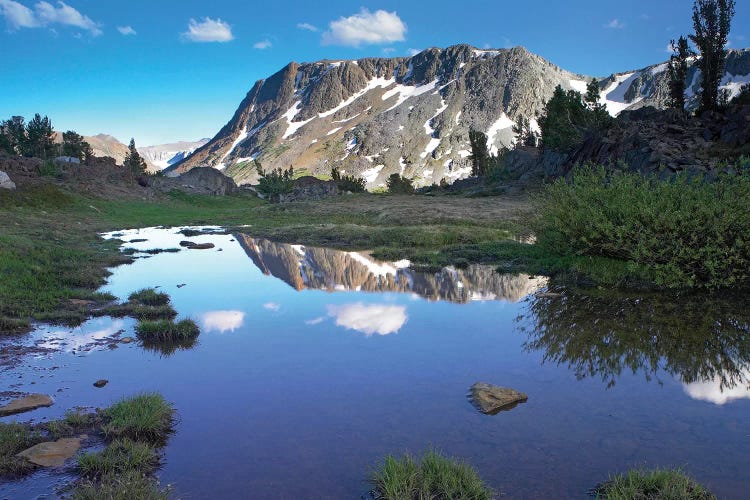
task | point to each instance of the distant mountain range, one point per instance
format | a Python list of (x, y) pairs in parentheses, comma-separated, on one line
[(157, 157), (374, 117)]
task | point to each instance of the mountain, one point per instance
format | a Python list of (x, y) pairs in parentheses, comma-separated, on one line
[(333, 270), (166, 155), (373, 117)]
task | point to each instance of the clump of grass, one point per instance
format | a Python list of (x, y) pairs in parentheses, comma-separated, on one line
[(14, 438), (124, 486), (434, 476), (122, 455), (146, 417), (13, 325), (167, 331), (149, 297), (661, 484)]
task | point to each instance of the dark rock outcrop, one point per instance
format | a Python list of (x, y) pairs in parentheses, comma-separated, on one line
[(199, 181)]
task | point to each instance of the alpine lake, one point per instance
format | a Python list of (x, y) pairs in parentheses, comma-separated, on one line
[(313, 364)]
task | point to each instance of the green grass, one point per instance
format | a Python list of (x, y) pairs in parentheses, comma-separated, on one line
[(659, 484), (15, 438), (124, 486), (167, 331), (119, 456), (434, 476), (146, 417), (149, 297)]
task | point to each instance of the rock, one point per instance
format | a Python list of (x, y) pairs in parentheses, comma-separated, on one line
[(309, 188), (190, 245), (101, 383), (53, 453), (491, 399), (127, 340), (26, 403), (67, 159), (5, 182), (202, 180)]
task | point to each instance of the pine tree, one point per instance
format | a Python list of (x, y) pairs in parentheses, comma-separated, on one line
[(480, 155), (75, 146), (526, 135), (14, 131), (593, 92), (133, 160), (40, 137), (712, 21), (678, 68)]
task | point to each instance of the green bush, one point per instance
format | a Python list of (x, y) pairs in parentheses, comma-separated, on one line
[(399, 185), (348, 182), (657, 484), (275, 182), (434, 476), (682, 233)]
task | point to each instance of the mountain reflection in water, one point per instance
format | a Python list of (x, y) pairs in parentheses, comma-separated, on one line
[(704, 341), (304, 267)]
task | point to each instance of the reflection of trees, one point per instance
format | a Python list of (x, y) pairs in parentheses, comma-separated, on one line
[(697, 338)]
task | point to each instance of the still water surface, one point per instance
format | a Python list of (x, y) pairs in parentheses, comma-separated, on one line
[(314, 363)]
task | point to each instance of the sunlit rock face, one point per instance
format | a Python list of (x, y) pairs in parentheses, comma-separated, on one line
[(331, 270)]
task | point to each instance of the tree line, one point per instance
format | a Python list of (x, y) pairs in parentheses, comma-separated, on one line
[(36, 138)]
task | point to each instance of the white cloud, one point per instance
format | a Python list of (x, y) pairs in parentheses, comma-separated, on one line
[(712, 392), (382, 319), (126, 30), (263, 44), (315, 321), (413, 52), (272, 306), (46, 14), (388, 50), (307, 26), (367, 28), (615, 24), (208, 30), (18, 15), (222, 321)]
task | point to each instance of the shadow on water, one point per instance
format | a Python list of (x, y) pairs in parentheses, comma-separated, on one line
[(700, 339)]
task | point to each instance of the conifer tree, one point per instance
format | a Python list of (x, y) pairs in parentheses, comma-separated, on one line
[(678, 68), (75, 146), (133, 160), (39, 137), (13, 134), (480, 155), (712, 21)]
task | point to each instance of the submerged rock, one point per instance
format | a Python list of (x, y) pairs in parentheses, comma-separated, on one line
[(26, 403), (491, 399), (190, 245), (101, 383), (53, 453)]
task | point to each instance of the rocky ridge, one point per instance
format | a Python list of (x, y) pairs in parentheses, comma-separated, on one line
[(374, 117)]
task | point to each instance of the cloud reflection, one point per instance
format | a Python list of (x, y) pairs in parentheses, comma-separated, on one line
[(370, 319), (222, 321), (714, 391)]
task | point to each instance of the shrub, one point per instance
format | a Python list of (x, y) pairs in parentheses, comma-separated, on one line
[(656, 484), (147, 417), (682, 233), (48, 168), (348, 182), (275, 182), (399, 185), (434, 476)]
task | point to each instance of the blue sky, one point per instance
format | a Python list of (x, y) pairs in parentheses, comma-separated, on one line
[(143, 69)]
